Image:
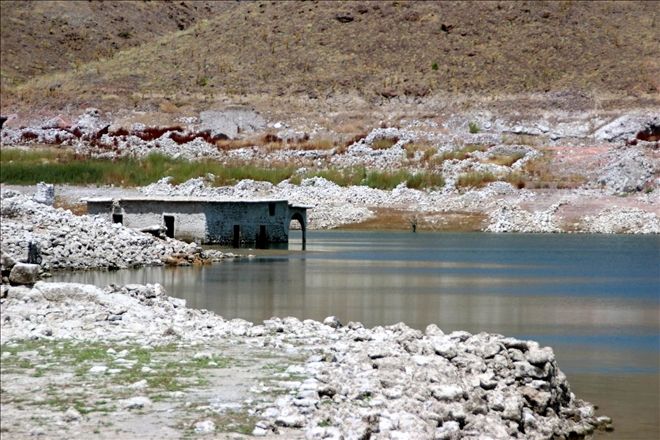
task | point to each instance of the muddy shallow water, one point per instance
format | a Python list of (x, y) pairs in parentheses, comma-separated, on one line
[(593, 298)]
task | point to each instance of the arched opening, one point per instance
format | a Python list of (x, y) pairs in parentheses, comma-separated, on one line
[(303, 227)]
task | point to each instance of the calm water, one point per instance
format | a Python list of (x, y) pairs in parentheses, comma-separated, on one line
[(594, 299)]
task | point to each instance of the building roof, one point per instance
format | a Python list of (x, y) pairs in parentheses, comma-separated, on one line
[(186, 199)]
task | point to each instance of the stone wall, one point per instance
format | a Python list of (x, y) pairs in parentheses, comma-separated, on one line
[(189, 219), (206, 221), (251, 218)]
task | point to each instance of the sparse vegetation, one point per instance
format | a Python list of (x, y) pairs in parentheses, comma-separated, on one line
[(522, 139), (384, 143), (459, 154), (19, 167), (475, 179), (506, 159), (473, 127), (30, 167), (541, 173), (377, 179), (389, 180), (516, 180), (425, 148), (163, 57), (167, 372)]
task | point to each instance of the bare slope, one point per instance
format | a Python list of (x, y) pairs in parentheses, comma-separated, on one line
[(374, 50), (41, 37)]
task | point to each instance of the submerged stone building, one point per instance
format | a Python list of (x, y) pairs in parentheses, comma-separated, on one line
[(205, 220)]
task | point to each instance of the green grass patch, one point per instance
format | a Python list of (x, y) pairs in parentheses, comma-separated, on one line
[(29, 167), (360, 176), (170, 370)]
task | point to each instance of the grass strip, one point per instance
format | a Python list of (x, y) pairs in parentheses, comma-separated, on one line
[(22, 167)]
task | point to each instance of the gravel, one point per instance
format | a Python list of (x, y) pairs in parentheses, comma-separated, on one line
[(387, 382), (617, 220)]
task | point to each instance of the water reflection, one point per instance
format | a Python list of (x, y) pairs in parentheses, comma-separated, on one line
[(594, 299)]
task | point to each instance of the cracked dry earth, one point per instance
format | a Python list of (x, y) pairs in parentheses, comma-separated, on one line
[(63, 389)]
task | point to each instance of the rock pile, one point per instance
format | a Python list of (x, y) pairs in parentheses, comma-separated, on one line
[(334, 205), (628, 171), (396, 382), (625, 127), (507, 217), (68, 241), (386, 382), (616, 220)]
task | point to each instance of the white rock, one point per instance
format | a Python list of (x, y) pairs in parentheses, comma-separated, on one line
[(137, 402), (204, 427), (139, 385), (98, 369), (72, 415)]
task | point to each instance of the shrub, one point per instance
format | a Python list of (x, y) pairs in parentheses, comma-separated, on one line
[(427, 149), (317, 144), (506, 159), (475, 179), (384, 143), (516, 180), (473, 127), (425, 180), (460, 154)]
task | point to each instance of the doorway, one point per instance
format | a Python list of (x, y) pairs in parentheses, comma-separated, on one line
[(169, 225), (236, 239), (262, 237)]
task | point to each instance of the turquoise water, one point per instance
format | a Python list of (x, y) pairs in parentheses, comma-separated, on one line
[(595, 299)]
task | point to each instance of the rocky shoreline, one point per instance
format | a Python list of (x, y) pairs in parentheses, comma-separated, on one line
[(71, 242), (324, 380), (603, 165), (337, 382), (160, 367), (505, 208)]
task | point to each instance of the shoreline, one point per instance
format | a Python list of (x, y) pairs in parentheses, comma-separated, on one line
[(343, 380), (498, 207), (470, 170), (335, 380)]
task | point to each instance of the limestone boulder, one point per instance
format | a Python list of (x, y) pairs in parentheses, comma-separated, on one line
[(6, 263), (230, 122), (24, 273), (45, 194)]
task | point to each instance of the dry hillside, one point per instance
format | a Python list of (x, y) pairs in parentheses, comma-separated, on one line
[(42, 37), (151, 54)]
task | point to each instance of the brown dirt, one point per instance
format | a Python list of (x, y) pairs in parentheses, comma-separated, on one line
[(301, 56), (386, 219), (58, 36)]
